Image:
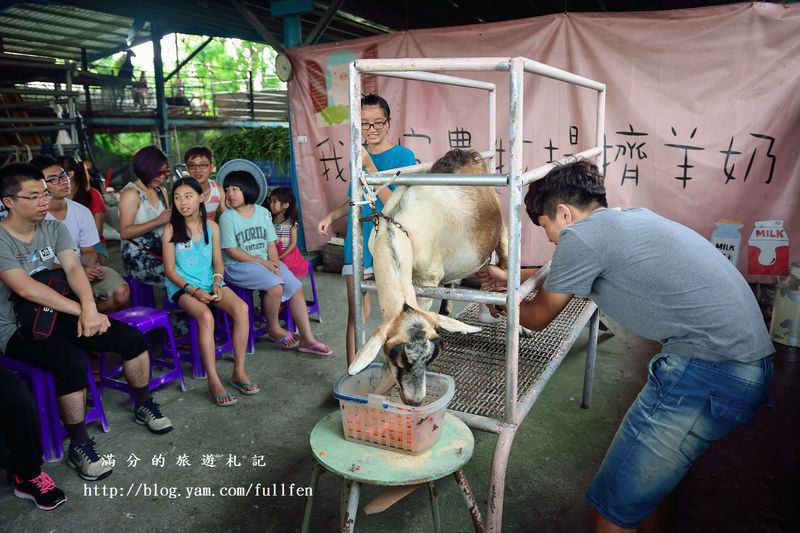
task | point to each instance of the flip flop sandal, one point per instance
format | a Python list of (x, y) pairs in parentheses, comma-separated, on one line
[(282, 342), (316, 349), (219, 399), (242, 386)]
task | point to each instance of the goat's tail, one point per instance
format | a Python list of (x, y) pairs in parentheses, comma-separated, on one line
[(502, 248)]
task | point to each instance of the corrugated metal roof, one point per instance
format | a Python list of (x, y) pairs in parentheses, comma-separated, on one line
[(61, 31), (101, 26)]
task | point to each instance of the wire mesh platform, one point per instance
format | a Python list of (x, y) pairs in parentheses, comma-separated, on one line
[(477, 361)]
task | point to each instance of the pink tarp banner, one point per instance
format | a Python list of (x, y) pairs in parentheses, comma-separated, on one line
[(701, 118)]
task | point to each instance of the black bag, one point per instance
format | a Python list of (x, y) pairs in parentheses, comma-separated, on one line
[(37, 322)]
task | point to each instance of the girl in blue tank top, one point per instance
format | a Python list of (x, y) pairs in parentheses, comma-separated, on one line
[(194, 280)]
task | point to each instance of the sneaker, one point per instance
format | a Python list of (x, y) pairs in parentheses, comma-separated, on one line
[(42, 490), (84, 458), (149, 414)]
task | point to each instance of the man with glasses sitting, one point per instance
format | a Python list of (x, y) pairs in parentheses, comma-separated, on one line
[(29, 249), (108, 288)]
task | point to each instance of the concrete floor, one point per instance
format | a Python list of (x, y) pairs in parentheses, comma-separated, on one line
[(747, 482)]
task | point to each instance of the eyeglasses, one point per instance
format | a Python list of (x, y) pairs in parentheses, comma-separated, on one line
[(378, 125), (34, 197), (63, 177), (162, 172), (197, 166)]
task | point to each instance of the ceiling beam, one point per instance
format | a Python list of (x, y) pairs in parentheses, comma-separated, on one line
[(258, 26), (360, 21), (324, 22), (73, 13), (188, 58), (59, 43), (52, 32), (124, 46)]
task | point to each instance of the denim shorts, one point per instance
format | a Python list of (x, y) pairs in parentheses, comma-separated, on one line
[(685, 406)]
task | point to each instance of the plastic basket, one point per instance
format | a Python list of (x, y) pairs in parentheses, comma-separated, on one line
[(384, 421)]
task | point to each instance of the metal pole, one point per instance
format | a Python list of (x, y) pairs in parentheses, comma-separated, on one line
[(492, 131), (161, 98), (534, 67), (355, 195), (477, 180), (445, 293), (440, 78), (427, 64), (71, 103), (86, 92), (422, 167), (601, 129), (515, 135), (540, 172), (591, 355), (250, 95)]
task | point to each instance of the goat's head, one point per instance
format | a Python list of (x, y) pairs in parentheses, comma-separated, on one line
[(410, 343)]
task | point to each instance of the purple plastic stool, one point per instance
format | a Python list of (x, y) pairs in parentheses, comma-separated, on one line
[(191, 344), (141, 293), (44, 392), (311, 305), (145, 319)]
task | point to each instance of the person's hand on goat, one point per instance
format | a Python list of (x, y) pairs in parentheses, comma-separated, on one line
[(492, 277)]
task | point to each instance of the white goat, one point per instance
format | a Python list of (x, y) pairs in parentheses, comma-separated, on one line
[(427, 235)]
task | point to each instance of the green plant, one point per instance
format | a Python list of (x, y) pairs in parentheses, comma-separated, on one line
[(270, 144)]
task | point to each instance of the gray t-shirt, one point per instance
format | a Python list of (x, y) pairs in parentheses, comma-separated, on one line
[(662, 281), (50, 239)]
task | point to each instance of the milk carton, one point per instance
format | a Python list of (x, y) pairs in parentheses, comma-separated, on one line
[(768, 252), (727, 238)]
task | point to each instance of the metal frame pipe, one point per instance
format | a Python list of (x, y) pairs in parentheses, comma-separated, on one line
[(534, 67), (422, 167), (601, 128), (534, 282), (526, 402), (443, 79), (540, 172), (428, 63), (73, 130), (36, 120), (591, 356), (478, 180), (441, 293), (492, 131), (34, 147), (479, 422), (31, 129), (515, 137), (39, 92), (355, 196)]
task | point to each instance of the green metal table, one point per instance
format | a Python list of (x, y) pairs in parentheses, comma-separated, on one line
[(357, 463)]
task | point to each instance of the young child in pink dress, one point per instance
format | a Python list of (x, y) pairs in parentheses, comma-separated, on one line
[(284, 216)]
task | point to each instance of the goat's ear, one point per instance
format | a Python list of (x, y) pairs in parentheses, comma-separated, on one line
[(369, 351), (449, 324)]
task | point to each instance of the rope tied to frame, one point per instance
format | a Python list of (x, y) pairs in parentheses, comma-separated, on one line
[(371, 198)]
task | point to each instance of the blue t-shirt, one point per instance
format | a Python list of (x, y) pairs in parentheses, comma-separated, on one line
[(662, 281), (395, 157), (250, 234)]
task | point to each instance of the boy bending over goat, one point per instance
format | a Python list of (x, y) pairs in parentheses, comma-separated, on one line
[(427, 235)]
